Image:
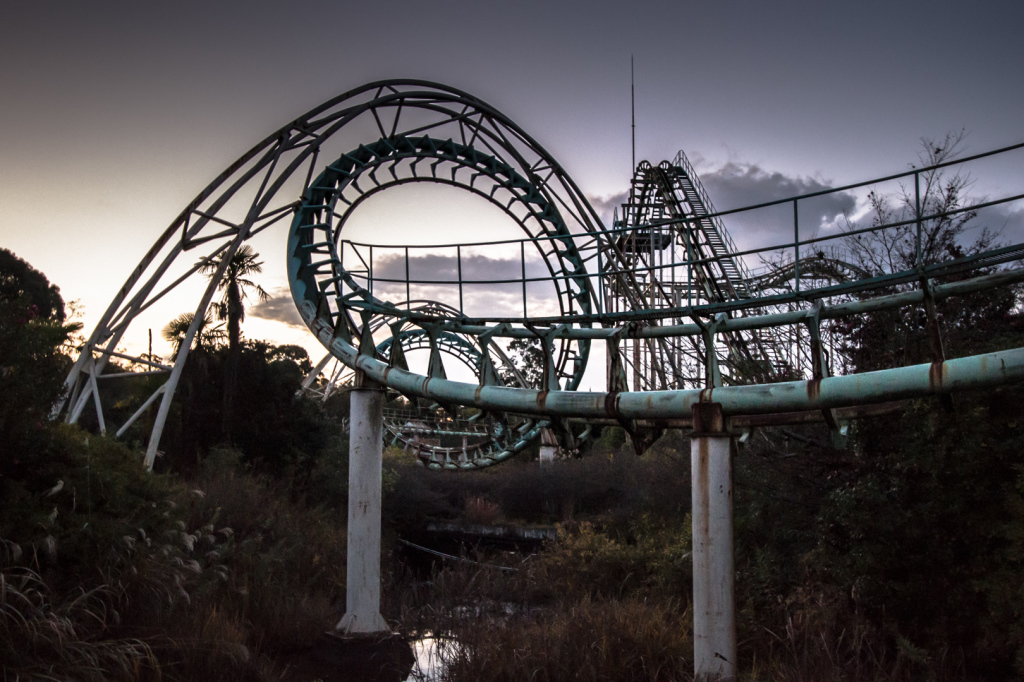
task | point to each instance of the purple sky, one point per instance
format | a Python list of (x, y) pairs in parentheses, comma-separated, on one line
[(113, 115)]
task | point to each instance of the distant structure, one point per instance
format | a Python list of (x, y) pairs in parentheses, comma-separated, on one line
[(692, 334)]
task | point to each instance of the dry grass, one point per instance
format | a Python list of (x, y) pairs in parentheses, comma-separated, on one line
[(591, 607), (480, 510), (823, 637), (45, 638), (593, 640), (537, 623), (287, 561), (174, 597), (136, 576)]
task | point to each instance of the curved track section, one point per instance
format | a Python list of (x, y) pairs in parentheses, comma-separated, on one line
[(439, 437), (332, 197), (680, 314), (362, 142)]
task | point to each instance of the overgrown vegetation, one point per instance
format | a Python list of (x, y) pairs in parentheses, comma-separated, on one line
[(898, 556), (107, 572), (895, 559)]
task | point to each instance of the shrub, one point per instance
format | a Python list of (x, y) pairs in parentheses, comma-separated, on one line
[(655, 563), (481, 511), (287, 560), (614, 640)]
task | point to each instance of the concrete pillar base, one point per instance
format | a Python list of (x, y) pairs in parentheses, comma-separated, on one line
[(355, 624)]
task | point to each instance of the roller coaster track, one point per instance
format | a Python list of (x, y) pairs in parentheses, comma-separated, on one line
[(434, 434), (671, 195), (680, 315)]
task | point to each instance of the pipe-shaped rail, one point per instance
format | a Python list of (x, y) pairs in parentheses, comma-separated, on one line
[(850, 308), (916, 381)]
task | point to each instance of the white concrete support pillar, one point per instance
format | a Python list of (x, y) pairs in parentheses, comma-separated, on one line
[(714, 613), (548, 447), (362, 594)]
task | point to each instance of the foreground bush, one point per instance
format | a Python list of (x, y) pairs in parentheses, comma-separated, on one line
[(612, 491), (109, 572), (287, 560), (605, 640), (96, 551)]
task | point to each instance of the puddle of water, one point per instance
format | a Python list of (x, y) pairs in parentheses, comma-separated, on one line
[(430, 652)]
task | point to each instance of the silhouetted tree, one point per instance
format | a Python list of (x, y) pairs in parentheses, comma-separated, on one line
[(898, 337), (528, 358), (207, 337), (942, 238), (19, 281), (234, 287), (34, 340)]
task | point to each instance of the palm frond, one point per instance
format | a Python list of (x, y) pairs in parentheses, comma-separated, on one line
[(177, 329), (235, 282)]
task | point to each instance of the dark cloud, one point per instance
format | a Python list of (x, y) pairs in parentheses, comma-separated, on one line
[(483, 299), (475, 267), (440, 272), (736, 185), (1005, 220), (279, 307)]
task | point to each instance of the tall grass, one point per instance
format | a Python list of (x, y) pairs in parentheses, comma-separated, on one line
[(46, 638), (116, 574), (612, 491), (595, 640), (574, 612), (600, 605), (119, 574), (288, 560)]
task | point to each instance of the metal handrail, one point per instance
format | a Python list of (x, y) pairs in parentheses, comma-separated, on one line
[(591, 241), (710, 213)]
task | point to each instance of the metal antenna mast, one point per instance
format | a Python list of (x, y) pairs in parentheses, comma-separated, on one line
[(632, 109)]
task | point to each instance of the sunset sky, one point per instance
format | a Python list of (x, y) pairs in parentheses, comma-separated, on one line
[(113, 115)]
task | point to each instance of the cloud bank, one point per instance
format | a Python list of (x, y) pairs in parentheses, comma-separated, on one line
[(279, 307), (739, 184)]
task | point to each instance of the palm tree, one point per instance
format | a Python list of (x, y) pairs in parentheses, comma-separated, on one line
[(195, 375), (234, 286), (207, 336)]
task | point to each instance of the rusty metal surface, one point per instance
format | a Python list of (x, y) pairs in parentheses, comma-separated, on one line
[(980, 371)]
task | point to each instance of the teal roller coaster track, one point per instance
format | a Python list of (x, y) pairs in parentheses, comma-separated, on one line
[(679, 312)]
